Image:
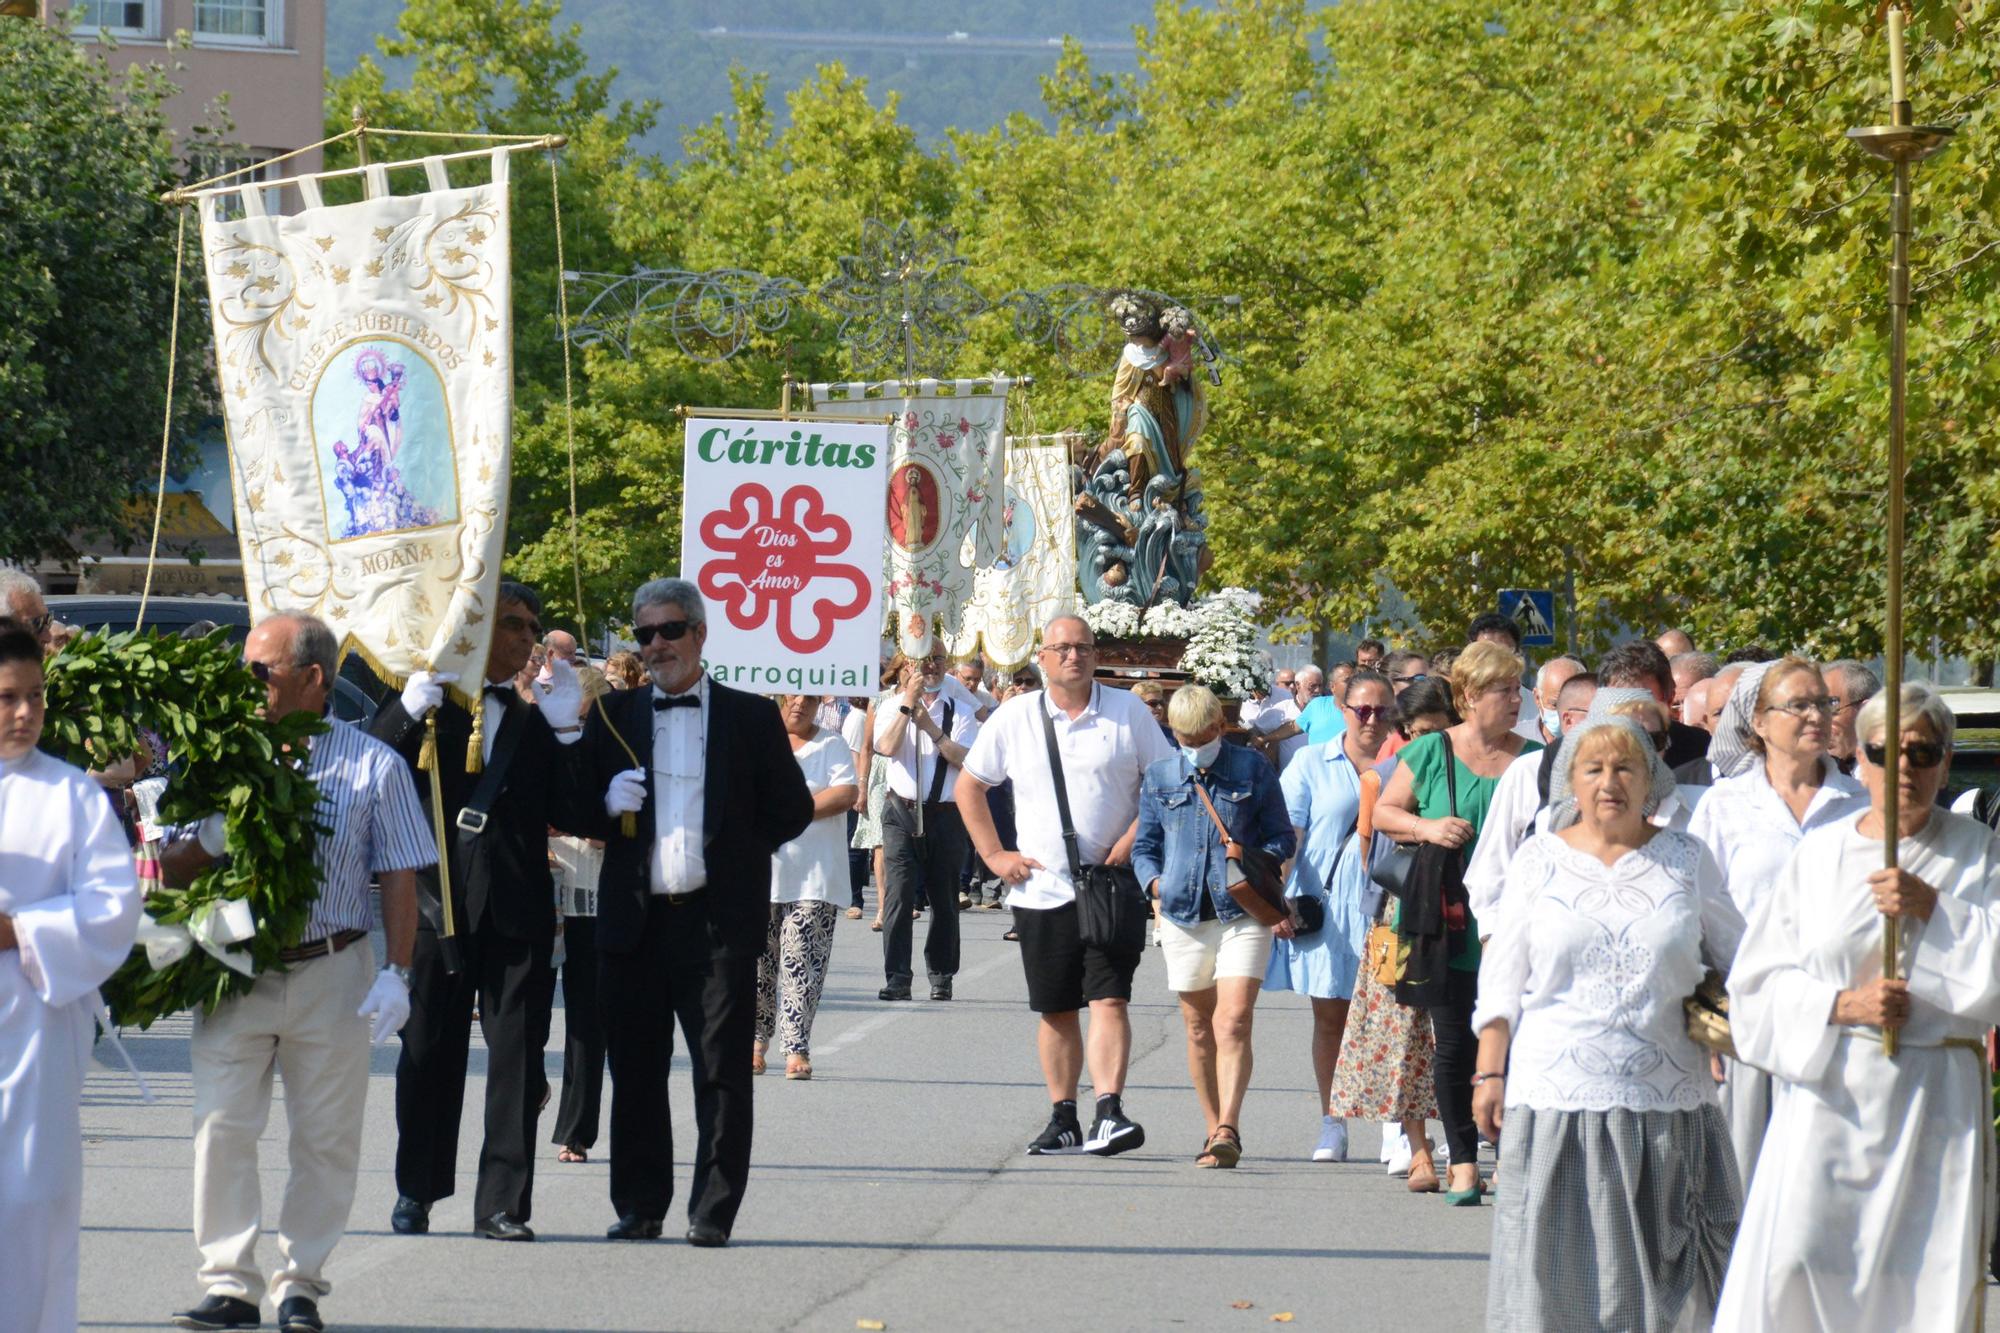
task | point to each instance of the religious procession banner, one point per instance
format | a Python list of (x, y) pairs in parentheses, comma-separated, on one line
[(947, 468), (1035, 576), (781, 529), (365, 359)]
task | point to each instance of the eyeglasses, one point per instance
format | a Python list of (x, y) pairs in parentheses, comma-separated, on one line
[(1367, 713), (1070, 649), (1805, 708), (261, 670), (1410, 680), (39, 625), (515, 624), (670, 630), (1917, 754), (1842, 705)]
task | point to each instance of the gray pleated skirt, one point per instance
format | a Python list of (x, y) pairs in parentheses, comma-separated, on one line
[(1612, 1220)]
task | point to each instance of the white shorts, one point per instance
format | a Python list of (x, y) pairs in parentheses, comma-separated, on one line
[(1199, 954)]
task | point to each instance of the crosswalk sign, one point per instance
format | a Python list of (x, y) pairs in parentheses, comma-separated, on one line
[(1533, 610)]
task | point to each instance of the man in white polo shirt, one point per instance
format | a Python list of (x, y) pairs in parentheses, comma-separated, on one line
[(1106, 737)]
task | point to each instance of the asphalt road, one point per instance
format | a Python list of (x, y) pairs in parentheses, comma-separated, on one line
[(891, 1188)]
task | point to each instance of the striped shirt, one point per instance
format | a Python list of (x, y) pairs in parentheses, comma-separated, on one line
[(369, 804)]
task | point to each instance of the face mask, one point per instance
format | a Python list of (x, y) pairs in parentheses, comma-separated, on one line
[(933, 686), (1552, 722), (1204, 755)]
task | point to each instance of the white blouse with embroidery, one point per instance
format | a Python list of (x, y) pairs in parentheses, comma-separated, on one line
[(1590, 965)]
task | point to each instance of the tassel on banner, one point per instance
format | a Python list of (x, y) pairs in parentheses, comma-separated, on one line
[(628, 824), (427, 753), (475, 749)]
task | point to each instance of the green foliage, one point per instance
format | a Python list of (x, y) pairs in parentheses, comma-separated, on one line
[(86, 281), (200, 699)]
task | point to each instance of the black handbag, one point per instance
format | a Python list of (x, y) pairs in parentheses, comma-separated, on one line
[(1432, 914), (1391, 872), (1256, 879), (1111, 909)]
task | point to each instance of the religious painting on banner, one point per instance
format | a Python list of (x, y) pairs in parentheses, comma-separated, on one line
[(365, 359), (942, 513), (782, 529), (1035, 576)]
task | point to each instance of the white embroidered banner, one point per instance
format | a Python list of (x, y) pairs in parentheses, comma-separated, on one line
[(365, 360), (947, 466), (1035, 575)]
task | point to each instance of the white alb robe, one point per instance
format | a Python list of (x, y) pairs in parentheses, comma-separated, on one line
[(1872, 1202), (67, 880)]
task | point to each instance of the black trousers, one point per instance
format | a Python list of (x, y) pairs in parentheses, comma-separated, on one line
[(1457, 1061), (514, 986), (859, 861), (909, 861), (583, 1033), (677, 973)]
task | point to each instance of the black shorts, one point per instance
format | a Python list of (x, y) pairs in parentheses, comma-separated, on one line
[(1064, 973)]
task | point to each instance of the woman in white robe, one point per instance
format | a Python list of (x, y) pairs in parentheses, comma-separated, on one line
[(1872, 1204), (69, 909), (1775, 782)]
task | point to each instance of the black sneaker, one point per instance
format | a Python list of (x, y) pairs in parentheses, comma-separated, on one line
[(1114, 1132), (1062, 1137)]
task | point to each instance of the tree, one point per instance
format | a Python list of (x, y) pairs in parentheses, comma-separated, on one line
[(86, 279)]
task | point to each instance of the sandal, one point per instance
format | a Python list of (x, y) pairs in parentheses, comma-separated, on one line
[(1223, 1150), (798, 1067), (573, 1154), (757, 1058), (1424, 1177), (877, 927), (853, 914)]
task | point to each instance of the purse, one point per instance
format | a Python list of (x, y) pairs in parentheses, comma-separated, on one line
[(1431, 913), (1112, 910), (1708, 1015), (1256, 879)]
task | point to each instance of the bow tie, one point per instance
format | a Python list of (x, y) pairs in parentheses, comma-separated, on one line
[(666, 701), (502, 692)]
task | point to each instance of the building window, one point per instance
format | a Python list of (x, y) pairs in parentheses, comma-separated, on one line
[(120, 18), (238, 22), (210, 163)]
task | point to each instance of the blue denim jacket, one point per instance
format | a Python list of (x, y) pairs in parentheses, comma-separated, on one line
[(1177, 842)]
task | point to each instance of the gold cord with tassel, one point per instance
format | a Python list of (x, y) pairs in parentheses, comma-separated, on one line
[(475, 749)]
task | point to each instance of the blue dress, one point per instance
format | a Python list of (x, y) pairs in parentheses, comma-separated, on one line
[(1323, 797)]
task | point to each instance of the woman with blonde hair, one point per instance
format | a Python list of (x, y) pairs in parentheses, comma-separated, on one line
[(1439, 795), (1776, 781)]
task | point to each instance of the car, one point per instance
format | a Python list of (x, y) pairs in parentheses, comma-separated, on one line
[(1975, 755), (357, 694)]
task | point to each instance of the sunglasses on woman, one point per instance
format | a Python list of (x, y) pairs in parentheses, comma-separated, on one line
[(1368, 713), (1917, 754), (670, 630)]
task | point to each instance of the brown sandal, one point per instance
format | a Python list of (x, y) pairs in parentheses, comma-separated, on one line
[(798, 1067), (1223, 1150), (1426, 1181), (757, 1058)]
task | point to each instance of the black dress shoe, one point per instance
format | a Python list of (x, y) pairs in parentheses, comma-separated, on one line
[(502, 1227), (219, 1312), (299, 1315), (707, 1235), (893, 993), (634, 1227), (409, 1217), (940, 988)]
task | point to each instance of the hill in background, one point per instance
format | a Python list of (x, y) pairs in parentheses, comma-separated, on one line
[(955, 64)]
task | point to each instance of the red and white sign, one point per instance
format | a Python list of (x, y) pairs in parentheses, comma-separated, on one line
[(781, 529)]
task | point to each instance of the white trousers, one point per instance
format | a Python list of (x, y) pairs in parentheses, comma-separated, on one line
[(44, 1055), (300, 1024)]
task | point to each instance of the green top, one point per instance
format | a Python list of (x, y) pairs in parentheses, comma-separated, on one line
[(1425, 759)]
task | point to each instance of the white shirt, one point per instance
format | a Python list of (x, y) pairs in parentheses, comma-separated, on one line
[(854, 730), (1751, 831), (913, 768), (1104, 749), (1277, 715), (1589, 968), (680, 773), (808, 868), (1252, 713)]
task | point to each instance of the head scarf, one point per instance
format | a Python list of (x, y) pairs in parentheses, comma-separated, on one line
[(1562, 795), (1731, 752), (1609, 697)]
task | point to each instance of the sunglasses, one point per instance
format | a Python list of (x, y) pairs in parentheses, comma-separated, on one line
[(1367, 713), (261, 670), (670, 630), (1917, 754), (1411, 680), (40, 624)]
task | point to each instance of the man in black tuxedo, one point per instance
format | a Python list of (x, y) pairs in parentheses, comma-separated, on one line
[(683, 907), (497, 822)]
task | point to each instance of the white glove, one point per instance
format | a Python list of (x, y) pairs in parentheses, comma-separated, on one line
[(627, 793), (559, 692), (388, 1003), (423, 692), (213, 835)]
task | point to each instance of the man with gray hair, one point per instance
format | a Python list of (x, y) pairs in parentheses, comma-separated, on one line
[(21, 598), (310, 1022), (1688, 668), (1851, 685), (559, 645), (707, 777)]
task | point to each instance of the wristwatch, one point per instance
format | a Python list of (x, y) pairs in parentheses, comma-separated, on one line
[(400, 972), (908, 711)]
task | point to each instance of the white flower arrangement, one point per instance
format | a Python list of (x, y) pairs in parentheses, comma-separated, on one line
[(1221, 635), (1112, 620), (1171, 620)]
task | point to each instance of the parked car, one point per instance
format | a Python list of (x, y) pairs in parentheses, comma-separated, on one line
[(356, 692), (1975, 758)]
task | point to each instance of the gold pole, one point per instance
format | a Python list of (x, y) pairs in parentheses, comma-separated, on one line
[(427, 759), (1901, 143)]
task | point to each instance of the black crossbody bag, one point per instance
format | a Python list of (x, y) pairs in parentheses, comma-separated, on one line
[(1111, 908)]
